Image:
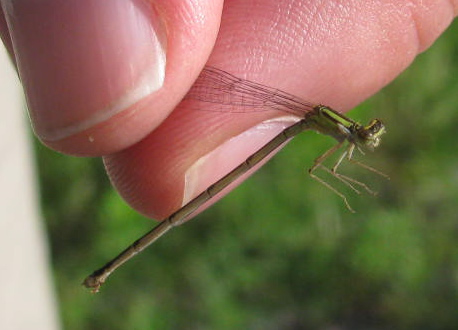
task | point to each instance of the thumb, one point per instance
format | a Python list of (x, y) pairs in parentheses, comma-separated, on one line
[(91, 71)]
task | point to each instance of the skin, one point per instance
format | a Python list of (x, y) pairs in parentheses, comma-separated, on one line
[(330, 52)]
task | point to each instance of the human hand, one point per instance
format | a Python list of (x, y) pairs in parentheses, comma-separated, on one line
[(98, 84)]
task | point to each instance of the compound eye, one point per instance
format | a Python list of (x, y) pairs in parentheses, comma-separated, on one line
[(375, 127), (370, 134)]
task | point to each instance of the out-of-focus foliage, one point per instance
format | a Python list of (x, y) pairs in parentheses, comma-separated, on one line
[(292, 256)]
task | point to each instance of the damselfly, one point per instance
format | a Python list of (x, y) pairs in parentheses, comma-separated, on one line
[(223, 89)]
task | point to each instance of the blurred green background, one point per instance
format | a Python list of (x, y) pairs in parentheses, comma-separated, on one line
[(282, 252)]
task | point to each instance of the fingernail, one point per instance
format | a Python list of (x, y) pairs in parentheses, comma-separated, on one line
[(82, 62), (220, 161)]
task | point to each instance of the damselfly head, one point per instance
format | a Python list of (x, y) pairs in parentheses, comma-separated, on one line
[(370, 135)]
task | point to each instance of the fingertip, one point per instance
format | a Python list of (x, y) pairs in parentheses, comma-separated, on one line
[(159, 175)]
